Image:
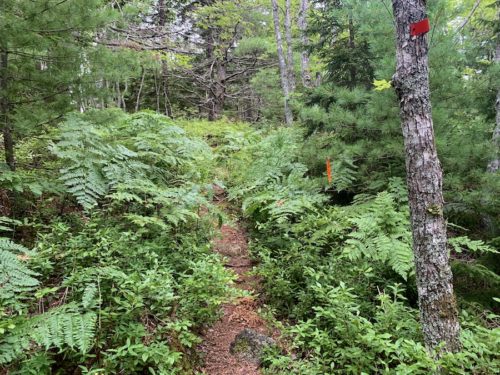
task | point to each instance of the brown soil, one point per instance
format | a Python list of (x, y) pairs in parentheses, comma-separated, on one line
[(236, 316)]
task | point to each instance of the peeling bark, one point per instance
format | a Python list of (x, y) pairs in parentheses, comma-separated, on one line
[(282, 63), (438, 311)]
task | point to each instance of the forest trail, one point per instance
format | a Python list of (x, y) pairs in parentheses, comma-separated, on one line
[(237, 315)]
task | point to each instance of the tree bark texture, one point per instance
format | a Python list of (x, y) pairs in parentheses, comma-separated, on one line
[(304, 60), (289, 45), (438, 311), (164, 65), (494, 165), (216, 88), (8, 141), (282, 63), (217, 92)]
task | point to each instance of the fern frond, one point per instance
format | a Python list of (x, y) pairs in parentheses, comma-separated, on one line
[(381, 233), (65, 327), (89, 295), (15, 277), (459, 244)]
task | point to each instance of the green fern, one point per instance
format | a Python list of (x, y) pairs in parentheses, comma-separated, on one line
[(85, 154), (13, 346), (89, 296), (145, 150), (5, 221), (61, 328), (344, 173), (381, 234), (459, 244), (68, 326), (15, 277)]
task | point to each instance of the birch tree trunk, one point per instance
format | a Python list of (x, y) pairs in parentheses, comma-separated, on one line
[(289, 46), (139, 92), (282, 63), (437, 303), (164, 64), (166, 92), (494, 165), (304, 61)]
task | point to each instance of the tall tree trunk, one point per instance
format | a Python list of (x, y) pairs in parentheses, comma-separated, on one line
[(165, 89), (125, 89), (118, 95), (494, 165), (218, 92), (157, 90), (282, 64), (352, 46), (304, 61), (289, 46), (8, 141), (164, 65), (161, 13), (437, 303), (139, 92)]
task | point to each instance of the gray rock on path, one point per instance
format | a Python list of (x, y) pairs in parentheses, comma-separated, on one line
[(249, 345)]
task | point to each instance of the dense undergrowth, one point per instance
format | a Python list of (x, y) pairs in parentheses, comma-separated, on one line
[(342, 275), (106, 266), (119, 277), (106, 219)]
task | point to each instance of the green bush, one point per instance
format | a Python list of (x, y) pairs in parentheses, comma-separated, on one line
[(124, 281), (343, 276)]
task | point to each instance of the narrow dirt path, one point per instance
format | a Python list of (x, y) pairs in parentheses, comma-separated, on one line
[(241, 314)]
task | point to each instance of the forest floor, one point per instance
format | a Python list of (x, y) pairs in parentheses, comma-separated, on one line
[(238, 314)]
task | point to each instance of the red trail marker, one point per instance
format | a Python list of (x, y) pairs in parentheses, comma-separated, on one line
[(419, 28)]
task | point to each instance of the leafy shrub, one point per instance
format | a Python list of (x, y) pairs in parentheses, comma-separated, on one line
[(343, 276), (125, 285)]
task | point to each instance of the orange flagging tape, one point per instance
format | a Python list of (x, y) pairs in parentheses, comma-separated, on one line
[(329, 170)]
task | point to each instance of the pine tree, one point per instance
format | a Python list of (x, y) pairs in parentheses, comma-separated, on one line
[(44, 49)]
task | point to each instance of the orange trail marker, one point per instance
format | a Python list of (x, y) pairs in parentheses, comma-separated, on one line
[(329, 170)]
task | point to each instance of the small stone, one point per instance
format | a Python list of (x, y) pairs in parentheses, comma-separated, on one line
[(249, 345)]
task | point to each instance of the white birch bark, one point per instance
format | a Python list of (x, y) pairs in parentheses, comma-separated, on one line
[(289, 45), (282, 63), (304, 61)]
